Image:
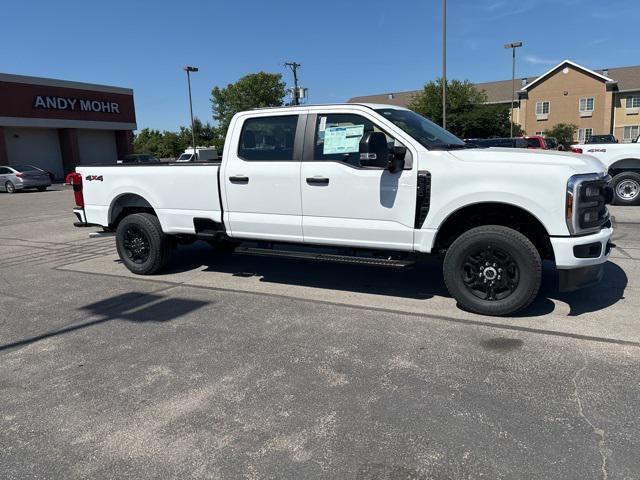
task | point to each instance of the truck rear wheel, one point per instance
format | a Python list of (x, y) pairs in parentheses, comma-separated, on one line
[(493, 270), (626, 188), (141, 244)]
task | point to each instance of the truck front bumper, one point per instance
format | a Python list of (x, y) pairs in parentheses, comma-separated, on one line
[(580, 260)]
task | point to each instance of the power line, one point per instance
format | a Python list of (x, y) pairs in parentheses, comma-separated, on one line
[(296, 92)]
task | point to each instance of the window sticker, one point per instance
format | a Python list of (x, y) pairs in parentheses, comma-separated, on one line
[(342, 139), (323, 123)]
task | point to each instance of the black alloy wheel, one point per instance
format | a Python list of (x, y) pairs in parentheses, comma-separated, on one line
[(136, 244), (492, 270), (490, 273), (142, 246)]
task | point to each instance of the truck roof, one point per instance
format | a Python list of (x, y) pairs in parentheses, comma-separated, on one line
[(289, 108)]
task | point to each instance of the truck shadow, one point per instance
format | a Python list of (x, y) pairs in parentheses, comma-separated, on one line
[(422, 282), (591, 299), (131, 306)]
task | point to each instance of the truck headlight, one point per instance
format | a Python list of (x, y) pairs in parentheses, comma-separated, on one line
[(586, 202)]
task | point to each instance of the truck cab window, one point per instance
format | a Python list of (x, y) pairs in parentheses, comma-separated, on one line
[(338, 137), (268, 138)]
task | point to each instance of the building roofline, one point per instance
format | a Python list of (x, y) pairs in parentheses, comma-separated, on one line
[(53, 82), (573, 64)]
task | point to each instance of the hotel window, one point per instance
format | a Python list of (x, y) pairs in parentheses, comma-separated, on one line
[(631, 133), (584, 134), (633, 102), (587, 104), (542, 108)]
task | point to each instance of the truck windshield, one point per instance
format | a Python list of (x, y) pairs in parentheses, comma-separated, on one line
[(424, 131)]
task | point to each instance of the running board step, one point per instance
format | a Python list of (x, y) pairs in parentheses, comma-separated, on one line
[(326, 257)]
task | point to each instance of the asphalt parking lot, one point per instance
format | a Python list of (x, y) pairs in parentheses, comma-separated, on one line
[(230, 366)]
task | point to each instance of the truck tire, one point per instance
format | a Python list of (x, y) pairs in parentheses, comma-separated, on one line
[(141, 244), (626, 188), (493, 270)]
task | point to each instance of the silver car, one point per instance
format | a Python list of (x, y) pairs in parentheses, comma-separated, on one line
[(20, 177)]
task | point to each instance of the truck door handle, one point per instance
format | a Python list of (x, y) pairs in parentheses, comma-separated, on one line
[(239, 179), (317, 181)]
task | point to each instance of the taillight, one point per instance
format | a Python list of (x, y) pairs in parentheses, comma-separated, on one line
[(75, 180), (576, 150), (19, 174)]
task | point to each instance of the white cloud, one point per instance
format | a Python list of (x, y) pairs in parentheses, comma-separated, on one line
[(597, 41), (535, 60), (495, 5)]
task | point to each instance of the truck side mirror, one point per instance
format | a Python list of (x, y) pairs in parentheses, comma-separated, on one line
[(374, 151), (397, 160)]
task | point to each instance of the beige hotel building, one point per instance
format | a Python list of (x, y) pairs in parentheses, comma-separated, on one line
[(596, 101)]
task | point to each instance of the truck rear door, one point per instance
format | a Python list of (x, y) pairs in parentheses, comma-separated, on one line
[(344, 203), (260, 176)]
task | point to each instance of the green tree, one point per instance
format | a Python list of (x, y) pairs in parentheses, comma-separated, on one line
[(148, 141), (251, 91), (468, 116), (206, 134), (563, 132), (169, 144)]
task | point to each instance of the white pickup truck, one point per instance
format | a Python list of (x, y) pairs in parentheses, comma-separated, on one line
[(623, 163), (372, 184)]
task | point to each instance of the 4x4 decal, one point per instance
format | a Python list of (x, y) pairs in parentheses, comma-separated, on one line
[(91, 178)]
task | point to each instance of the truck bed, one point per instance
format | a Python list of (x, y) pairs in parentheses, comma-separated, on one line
[(177, 192)]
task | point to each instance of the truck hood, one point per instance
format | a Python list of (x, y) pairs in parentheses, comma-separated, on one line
[(578, 163)]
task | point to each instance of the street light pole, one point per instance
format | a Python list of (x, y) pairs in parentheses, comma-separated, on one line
[(189, 69), (444, 63), (513, 46)]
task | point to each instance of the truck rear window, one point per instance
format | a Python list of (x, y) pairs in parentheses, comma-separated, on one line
[(268, 138)]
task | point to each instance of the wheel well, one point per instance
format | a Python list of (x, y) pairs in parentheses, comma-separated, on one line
[(126, 205), (503, 214), (625, 165)]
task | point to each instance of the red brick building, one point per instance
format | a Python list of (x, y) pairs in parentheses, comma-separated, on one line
[(58, 124)]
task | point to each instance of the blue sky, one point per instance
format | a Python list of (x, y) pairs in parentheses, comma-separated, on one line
[(346, 48)]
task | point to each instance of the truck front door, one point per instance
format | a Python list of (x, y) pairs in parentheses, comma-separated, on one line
[(344, 203), (260, 177)]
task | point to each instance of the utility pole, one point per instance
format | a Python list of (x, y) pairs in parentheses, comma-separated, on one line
[(513, 46), (444, 64), (189, 69), (294, 68)]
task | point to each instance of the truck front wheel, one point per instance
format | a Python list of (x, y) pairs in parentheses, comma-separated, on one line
[(626, 188), (493, 270), (141, 244)]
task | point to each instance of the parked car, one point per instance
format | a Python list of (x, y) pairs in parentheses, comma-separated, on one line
[(376, 179), (139, 158), (21, 177), (552, 143), (623, 164), (513, 142), (202, 154), (536, 141), (602, 139)]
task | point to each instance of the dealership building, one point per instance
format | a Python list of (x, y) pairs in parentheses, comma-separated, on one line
[(58, 124)]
